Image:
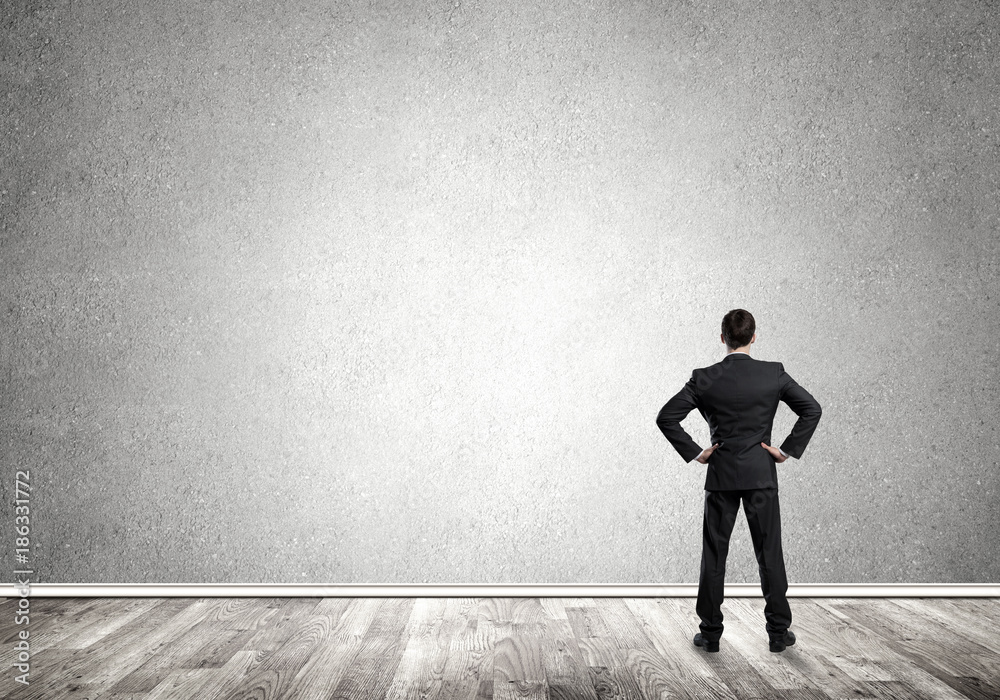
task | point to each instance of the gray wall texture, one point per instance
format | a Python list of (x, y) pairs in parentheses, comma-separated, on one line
[(368, 292)]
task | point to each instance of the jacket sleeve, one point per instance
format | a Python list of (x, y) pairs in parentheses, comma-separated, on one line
[(670, 417), (807, 409)]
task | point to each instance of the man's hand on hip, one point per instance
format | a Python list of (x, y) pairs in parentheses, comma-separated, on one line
[(775, 452), (705, 454)]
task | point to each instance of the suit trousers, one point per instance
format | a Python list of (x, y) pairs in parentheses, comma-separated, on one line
[(764, 519)]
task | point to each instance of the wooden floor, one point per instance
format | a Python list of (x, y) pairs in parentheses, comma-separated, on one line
[(443, 648)]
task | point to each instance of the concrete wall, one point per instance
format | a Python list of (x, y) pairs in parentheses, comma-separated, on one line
[(392, 292)]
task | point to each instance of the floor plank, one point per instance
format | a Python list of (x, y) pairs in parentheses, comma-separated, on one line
[(374, 666), (565, 671)]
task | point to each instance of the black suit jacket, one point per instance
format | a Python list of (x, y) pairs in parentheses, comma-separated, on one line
[(738, 397)]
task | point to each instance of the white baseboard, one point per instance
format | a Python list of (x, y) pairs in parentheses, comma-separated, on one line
[(488, 590)]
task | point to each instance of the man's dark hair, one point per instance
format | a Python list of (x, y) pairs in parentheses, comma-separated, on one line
[(738, 328)]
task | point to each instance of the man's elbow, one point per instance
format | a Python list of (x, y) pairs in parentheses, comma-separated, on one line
[(663, 422)]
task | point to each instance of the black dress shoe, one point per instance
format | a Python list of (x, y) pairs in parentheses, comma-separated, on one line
[(700, 641), (778, 643)]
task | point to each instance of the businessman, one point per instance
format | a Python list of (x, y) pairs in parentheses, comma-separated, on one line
[(738, 397)]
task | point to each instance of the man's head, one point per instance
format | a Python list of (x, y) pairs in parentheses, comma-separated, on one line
[(738, 329)]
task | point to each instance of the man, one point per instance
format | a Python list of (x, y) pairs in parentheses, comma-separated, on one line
[(738, 397)]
